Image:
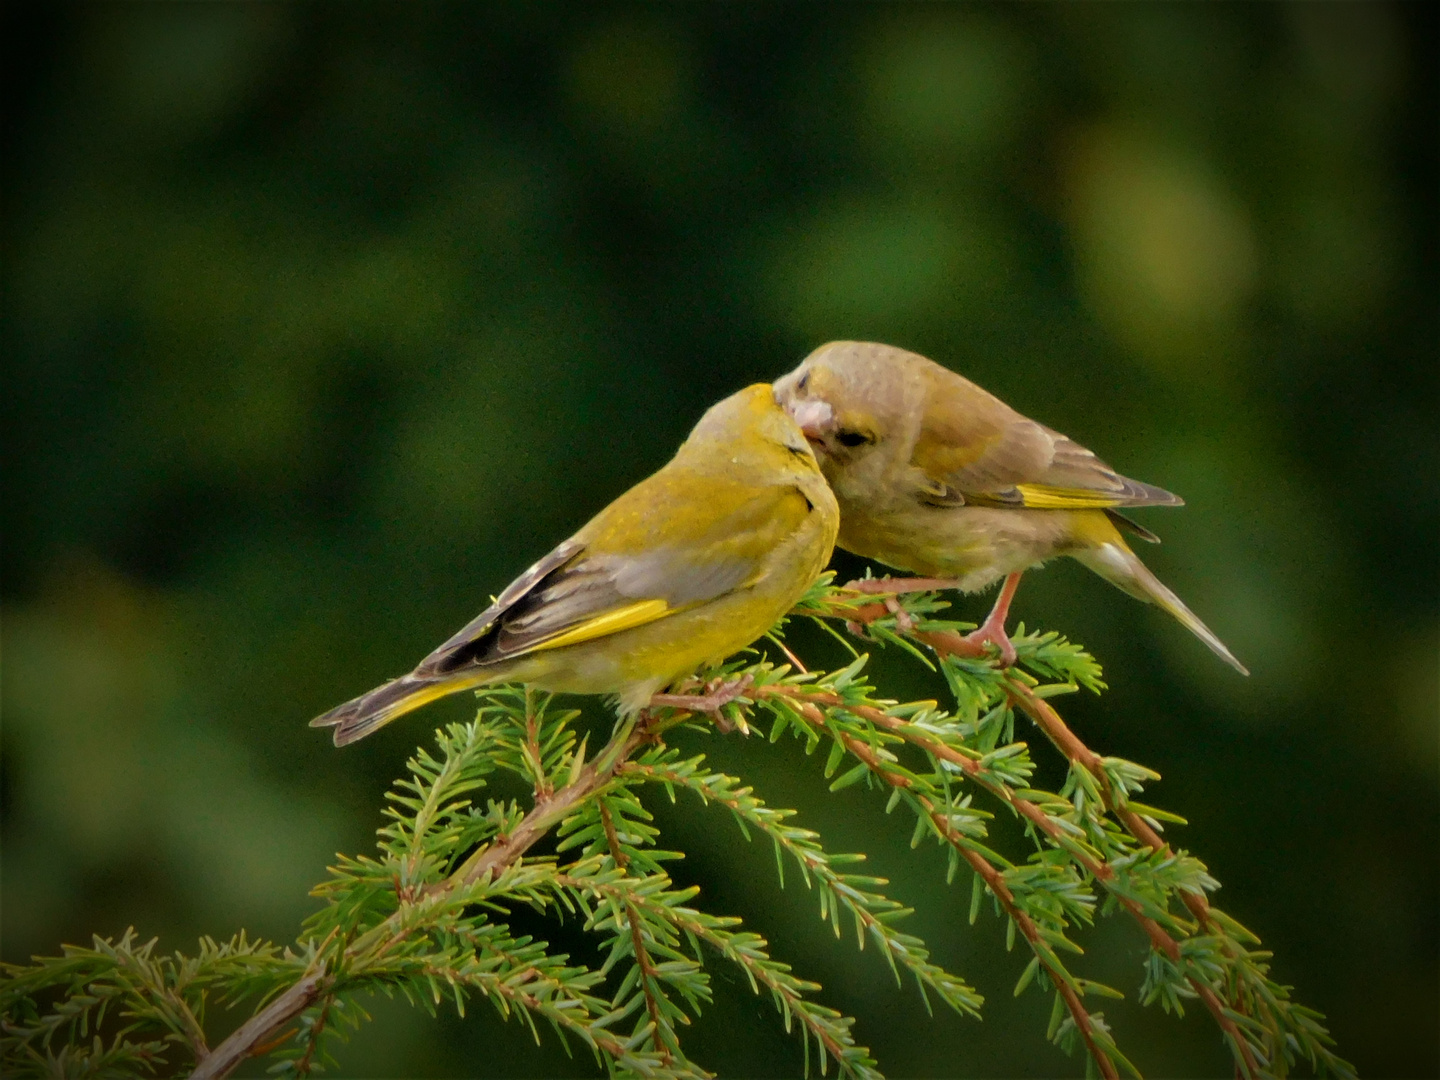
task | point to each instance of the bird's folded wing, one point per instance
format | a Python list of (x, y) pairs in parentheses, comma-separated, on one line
[(640, 560), (1009, 460), (460, 647)]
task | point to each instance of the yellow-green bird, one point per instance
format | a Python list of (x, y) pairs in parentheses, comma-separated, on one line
[(938, 477), (685, 568)]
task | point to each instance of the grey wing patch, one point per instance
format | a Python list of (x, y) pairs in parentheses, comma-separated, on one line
[(1076, 467), (471, 643), (602, 583), (1072, 465), (675, 578), (1137, 494)]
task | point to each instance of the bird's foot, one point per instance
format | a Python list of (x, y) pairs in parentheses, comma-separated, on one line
[(903, 622), (718, 694), (889, 588), (992, 632)]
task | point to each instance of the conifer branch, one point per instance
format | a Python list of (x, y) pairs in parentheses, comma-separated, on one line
[(1065, 984), (653, 900), (427, 918), (1282, 1027), (616, 834), (950, 643), (544, 815), (871, 911), (637, 942), (1037, 816)]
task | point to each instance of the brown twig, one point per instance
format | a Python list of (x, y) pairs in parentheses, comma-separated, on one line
[(807, 704), (795, 660), (948, 642), (637, 940), (1069, 744), (261, 1027), (612, 838), (302, 1066)]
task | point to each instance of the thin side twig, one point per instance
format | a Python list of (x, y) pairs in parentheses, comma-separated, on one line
[(637, 940), (546, 813), (982, 866), (948, 642), (996, 882)]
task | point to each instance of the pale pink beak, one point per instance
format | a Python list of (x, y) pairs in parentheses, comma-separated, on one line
[(816, 418)]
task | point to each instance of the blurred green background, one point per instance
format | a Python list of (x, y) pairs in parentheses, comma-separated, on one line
[(321, 322)]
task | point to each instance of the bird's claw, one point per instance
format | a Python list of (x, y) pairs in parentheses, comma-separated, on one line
[(994, 634), (903, 622), (718, 694), (887, 589)]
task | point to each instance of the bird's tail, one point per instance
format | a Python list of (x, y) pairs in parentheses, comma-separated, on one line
[(372, 711), (1116, 563)]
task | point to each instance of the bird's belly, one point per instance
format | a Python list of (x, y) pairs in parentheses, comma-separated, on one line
[(975, 545)]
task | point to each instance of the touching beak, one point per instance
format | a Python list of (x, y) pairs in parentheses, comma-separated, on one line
[(815, 418)]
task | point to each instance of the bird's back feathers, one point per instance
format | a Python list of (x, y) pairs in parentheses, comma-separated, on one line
[(982, 452)]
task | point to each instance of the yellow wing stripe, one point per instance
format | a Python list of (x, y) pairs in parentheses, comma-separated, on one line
[(424, 695), (1042, 497), (612, 622)]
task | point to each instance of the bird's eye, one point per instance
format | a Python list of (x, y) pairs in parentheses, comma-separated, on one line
[(853, 438), (803, 383)]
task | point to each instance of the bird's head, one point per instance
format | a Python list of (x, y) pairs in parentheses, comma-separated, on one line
[(848, 399), (750, 428)]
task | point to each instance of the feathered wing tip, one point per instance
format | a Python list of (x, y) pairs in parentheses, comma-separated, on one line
[(1120, 566), (371, 711), (1141, 494)]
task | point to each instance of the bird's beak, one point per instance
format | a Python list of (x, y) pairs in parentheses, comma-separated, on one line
[(815, 418)]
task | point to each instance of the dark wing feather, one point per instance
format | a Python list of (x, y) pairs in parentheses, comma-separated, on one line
[(470, 642)]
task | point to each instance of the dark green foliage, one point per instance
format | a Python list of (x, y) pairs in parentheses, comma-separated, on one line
[(427, 917)]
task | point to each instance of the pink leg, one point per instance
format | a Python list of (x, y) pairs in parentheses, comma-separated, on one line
[(992, 630)]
